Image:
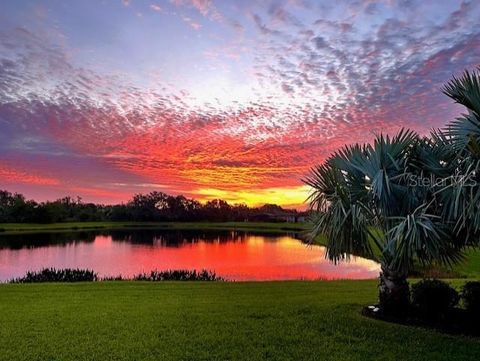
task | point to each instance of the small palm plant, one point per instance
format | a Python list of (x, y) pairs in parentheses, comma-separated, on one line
[(404, 199)]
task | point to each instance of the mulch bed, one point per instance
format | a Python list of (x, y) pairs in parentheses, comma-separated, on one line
[(456, 322)]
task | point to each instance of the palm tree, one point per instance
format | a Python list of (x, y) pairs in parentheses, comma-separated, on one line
[(403, 199)]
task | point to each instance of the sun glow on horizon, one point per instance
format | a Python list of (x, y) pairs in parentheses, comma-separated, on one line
[(283, 196)]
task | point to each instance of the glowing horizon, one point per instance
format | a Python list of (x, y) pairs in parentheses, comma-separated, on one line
[(215, 99)]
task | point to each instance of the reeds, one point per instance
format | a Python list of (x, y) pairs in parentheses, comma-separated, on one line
[(86, 275), (178, 275), (57, 275)]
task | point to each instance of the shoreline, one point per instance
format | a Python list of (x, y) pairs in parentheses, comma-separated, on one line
[(23, 228)]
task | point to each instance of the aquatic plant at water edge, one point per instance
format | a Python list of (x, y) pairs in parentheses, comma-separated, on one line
[(178, 275), (86, 275), (58, 275)]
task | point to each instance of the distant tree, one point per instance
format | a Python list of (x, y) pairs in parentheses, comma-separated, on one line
[(271, 208), (118, 212), (89, 212), (149, 207), (193, 210), (217, 210), (15, 208), (153, 206), (240, 212), (7, 202)]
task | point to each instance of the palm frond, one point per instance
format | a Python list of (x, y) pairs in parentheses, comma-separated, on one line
[(465, 130), (420, 236), (465, 90)]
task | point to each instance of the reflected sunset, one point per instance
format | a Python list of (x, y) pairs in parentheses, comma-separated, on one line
[(236, 256)]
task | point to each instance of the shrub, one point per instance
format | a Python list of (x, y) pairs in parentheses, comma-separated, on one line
[(57, 275), (434, 297), (471, 297)]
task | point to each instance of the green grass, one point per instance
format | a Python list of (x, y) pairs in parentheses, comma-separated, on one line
[(470, 268), (210, 321), (18, 228)]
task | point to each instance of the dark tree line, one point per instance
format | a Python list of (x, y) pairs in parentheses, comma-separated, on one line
[(154, 206)]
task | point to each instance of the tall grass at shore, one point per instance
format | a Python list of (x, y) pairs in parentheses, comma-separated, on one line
[(86, 275)]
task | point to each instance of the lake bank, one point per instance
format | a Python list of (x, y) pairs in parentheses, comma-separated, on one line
[(19, 228), (210, 321)]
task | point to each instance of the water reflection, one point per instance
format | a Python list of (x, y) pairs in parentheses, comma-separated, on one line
[(235, 255), (44, 239), (177, 238)]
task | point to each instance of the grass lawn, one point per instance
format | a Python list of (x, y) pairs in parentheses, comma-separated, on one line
[(469, 268), (210, 321)]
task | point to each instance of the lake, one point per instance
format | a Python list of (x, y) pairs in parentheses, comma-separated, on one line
[(234, 255)]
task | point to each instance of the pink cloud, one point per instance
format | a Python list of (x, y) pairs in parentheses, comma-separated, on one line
[(196, 26), (11, 174), (205, 7), (156, 7)]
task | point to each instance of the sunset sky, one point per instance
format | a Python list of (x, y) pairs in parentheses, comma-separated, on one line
[(215, 99)]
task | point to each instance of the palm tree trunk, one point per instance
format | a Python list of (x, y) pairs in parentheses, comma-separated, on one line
[(394, 292)]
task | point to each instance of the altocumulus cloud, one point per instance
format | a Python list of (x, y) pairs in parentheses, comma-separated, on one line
[(290, 82)]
